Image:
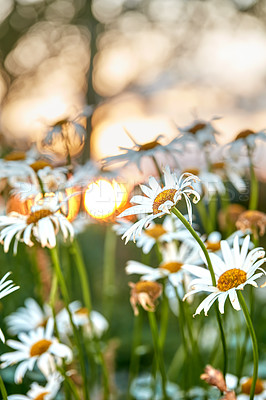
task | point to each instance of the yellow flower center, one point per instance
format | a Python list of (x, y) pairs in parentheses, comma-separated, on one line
[(246, 386), (35, 216), (197, 127), (40, 347), (244, 134), (172, 267), (41, 396), (15, 156), (149, 146), (82, 311), (231, 279), (218, 165), (161, 198), (40, 164), (213, 246), (193, 171), (153, 289), (156, 232)]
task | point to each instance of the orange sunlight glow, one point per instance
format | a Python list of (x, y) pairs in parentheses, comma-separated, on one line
[(103, 198)]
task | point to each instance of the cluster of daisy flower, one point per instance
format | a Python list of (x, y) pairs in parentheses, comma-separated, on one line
[(194, 239)]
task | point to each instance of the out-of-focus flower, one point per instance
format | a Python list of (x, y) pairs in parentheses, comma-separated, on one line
[(37, 392), (144, 293), (209, 183), (93, 323), (43, 223), (159, 201), (38, 346), (245, 385), (231, 170), (6, 287), (139, 151), (201, 132), (28, 318), (246, 139), (229, 216), (228, 279), (252, 221), (170, 229)]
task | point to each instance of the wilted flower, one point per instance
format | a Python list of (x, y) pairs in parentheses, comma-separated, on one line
[(214, 377), (144, 293), (252, 221)]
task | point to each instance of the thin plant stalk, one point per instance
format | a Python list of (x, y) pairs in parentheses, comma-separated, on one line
[(3, 389), (164, 319), (75, 251), (158, 169), (254, 184), (69, 383), (109, 263), (210, 267), (204, 217), (134, 360), (158, 351), (64, 291), (254, 343)]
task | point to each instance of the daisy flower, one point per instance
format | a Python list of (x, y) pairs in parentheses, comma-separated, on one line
[(209, 182), (6, 287), (245, 386), (159, 201), (200, 131), (236, 270), (171, 229), (246, 139), (139, 151), (37, 392), (28, 318), (43, 223), (93, 323), (171, 266), (36, 347), (232, 170)]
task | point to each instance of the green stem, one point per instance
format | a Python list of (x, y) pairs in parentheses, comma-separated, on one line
[(134, 361), (254, 343), (164, 320), (254, 185), (109, 263), (75, 251), (64, 291), (158, 351), (204, 218), (69, 383), (213, 211), (210, 267), (158, 169), (3, 389), (36, 273)]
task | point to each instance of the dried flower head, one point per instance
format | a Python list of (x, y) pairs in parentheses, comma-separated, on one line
[(144, 293), (214, 377), (252, 220)]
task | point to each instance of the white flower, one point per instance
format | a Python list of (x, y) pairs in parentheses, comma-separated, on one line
[(38, 346), (245, 386), (159, 201), (139, 151), (170, 229), (237, 269), (173, 261), (6, 287), (246, 139), (52, 180), (202, 132), (43, 223), (47, 392), (93, 323), (28, 318)]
